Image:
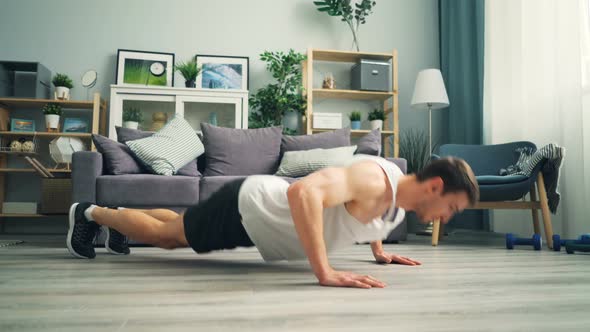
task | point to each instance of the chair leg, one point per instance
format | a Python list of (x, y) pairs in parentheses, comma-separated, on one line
[(435, 232), (535, 213), (545, 211)]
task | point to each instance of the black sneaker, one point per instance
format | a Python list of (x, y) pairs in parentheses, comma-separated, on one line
[(82, 232), (116, 243)]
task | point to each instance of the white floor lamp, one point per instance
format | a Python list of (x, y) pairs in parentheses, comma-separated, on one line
[(430, 94)]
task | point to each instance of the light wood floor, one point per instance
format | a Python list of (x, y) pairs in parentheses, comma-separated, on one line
[(469, 283)]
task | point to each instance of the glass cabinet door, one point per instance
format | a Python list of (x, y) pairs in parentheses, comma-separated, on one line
[(218, 111)]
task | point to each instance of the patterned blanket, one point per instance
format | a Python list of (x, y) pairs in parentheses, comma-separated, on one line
[(529, 159)]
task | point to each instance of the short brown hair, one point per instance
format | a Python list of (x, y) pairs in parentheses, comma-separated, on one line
[(456, 174)]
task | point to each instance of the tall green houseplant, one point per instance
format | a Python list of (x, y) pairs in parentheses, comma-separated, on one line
[(353, 17), (270, 103)]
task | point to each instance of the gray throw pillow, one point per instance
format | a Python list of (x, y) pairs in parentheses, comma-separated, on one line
[(230, 151), (117, 157), (301, 163), (127, 134), (172, 147), (370, 143), (327, 140)]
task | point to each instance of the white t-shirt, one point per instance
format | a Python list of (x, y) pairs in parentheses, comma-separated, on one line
[(266, 216)]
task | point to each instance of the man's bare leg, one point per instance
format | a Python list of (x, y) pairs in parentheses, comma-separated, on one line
[(163, 215), (143, 227)]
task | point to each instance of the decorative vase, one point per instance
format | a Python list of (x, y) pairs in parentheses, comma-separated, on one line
[(52, 122), (376, 124), (61, 92), (131, 124), (213, 119), (355, 125), (190, 84), (159, 120)]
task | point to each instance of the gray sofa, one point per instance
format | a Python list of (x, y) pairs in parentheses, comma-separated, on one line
[(91, 183)]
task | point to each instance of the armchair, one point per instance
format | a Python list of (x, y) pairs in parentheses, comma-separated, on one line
[(502, 192)]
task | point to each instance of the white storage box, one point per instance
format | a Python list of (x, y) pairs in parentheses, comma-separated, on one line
[(327, 120), (19, 208)]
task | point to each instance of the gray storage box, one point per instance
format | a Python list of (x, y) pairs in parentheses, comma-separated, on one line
[(24, 79), (371, 75)]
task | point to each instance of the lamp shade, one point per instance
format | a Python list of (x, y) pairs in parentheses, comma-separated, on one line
[(429, 91)]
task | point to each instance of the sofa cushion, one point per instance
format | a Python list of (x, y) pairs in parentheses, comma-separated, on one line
[(128, 134), (147, 190), (327, 140), (370, 143), (210, 184), (169, 149), (302, 163), (231, 151), (117, 157)]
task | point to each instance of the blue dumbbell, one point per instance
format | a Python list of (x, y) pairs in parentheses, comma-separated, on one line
[(512, 240), (558, 242)]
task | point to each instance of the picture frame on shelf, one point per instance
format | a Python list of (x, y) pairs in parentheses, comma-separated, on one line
[(22, 125), (75, 125), (144, 68), (222, 72)]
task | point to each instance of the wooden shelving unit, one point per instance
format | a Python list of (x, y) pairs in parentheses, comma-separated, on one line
[(97, 106), (389, 99)]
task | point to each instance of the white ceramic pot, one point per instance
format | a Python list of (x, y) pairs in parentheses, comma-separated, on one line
[(52, 121), (62, 92), (376, 124), (131, 124)]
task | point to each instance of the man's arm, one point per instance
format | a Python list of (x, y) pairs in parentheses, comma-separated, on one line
[(326, 188)]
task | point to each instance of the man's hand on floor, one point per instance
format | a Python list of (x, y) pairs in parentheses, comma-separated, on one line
[(383, 257), (349, 279)]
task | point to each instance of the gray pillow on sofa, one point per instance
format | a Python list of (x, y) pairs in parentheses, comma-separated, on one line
[(301, 163), (117, 157), (327, 140), (230, 151), (370, 143), (127, 134)]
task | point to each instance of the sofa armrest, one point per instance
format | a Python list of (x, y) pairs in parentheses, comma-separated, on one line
[(86, 167), (401, 163)]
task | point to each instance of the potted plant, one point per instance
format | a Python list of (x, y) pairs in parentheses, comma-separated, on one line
[(62, 84), (353, 14), (355, 120), (52, 114), (376, 118), (132, 116), (189, 71), (280, 103)]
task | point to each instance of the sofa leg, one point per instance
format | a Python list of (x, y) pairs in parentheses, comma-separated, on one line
[(545, 211), (534, 211), (435, 232)]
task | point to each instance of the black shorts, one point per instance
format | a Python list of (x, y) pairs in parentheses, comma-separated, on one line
[(215, 223)]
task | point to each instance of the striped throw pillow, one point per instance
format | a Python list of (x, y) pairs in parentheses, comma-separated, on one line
[(168, 150), (301, 163)]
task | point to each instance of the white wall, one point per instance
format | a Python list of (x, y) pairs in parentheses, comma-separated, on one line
[(72, 36)]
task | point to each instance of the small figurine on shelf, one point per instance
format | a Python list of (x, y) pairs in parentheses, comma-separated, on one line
[(63, 83), (329, 82), (159, 119), (15, 146), (28, 146), (52, 113)]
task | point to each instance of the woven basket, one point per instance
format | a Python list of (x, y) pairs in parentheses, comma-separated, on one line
[(56, 195)]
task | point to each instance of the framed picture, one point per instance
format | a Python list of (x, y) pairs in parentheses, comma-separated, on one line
[(75, 125), (222, 72), (22, 125), (145, 68)]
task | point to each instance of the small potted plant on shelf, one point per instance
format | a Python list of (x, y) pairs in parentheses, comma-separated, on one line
[(376, 118), (132, 116), (189, 71), (52, 114), (62, 84), (355, 120)]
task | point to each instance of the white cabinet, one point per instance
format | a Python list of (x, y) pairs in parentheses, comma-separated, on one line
[(224, 108)]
